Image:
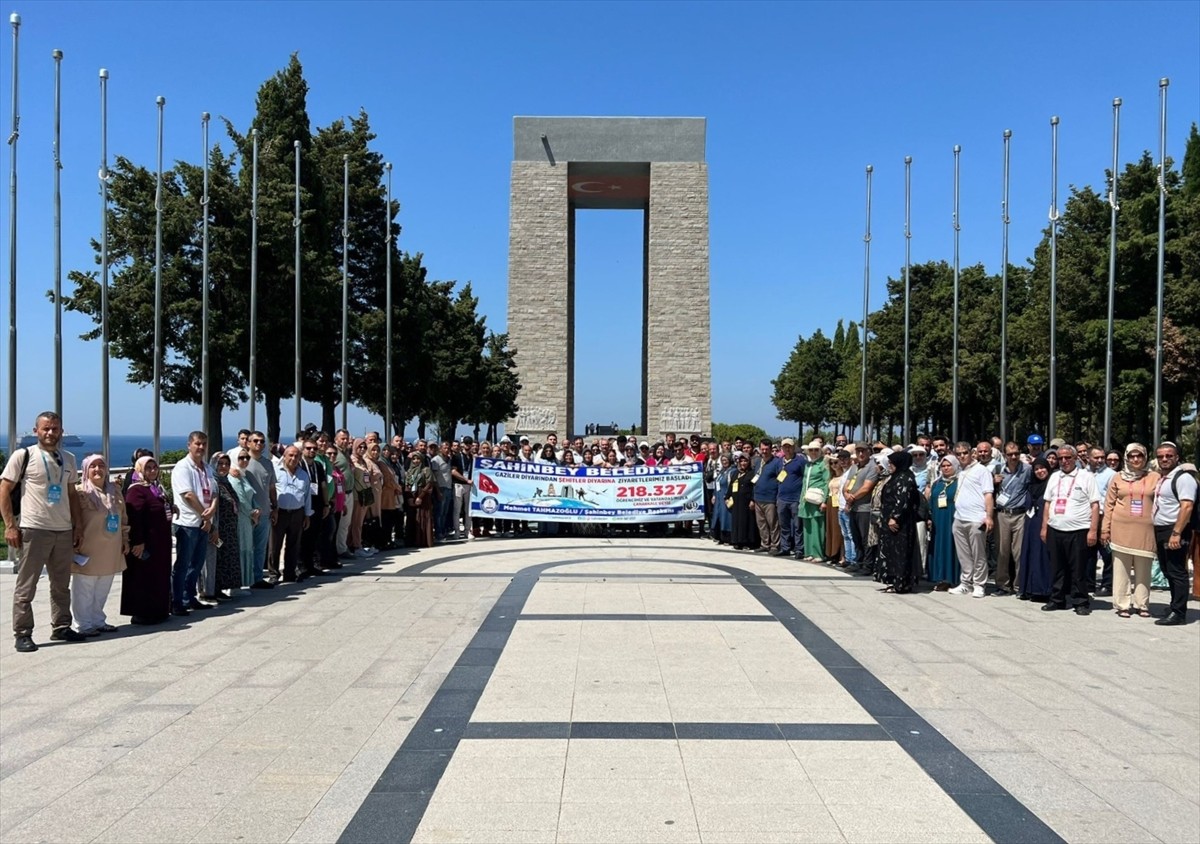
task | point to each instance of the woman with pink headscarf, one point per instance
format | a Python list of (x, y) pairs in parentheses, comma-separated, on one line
[(146, 583), (101, 552)]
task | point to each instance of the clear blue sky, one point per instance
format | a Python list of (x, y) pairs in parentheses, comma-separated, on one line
[(799, 98)]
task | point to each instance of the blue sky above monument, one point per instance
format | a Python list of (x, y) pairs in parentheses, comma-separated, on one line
[(798, 98)]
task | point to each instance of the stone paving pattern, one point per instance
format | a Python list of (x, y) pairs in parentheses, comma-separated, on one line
[(273, 717)]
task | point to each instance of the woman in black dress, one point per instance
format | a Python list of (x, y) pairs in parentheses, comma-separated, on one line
[(1034, 583), (146, 581), (229, 558), (741, 490), (898, 505)]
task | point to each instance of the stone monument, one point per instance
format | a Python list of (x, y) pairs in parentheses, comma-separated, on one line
[(656, 164)]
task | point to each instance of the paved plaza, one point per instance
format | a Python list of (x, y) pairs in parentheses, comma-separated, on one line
[(593, 690)]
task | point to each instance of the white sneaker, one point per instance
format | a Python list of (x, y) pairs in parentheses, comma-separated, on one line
[(979, 592), (362, 552), (960, 589)]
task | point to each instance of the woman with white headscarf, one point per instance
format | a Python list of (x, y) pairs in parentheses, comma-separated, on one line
[(1128, 529), (101, 552)]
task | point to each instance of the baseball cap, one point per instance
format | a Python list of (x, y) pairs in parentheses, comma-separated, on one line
[(1035, 439)]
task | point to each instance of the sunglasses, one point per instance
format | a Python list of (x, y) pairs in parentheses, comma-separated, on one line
[(257, 440), (243, 457)]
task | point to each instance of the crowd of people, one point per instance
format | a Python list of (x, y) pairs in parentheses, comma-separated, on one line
[(251, 517), (1054, 525)]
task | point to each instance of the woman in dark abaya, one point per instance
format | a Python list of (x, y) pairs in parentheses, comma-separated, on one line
[(741, 507), (898, 507), (229, 558), (146, 581), (1035, 559)]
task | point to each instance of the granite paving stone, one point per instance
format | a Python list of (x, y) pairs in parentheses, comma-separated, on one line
[(301, 715)]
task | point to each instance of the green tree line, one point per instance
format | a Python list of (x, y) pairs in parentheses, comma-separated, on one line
[(447, 366), (820, 381)]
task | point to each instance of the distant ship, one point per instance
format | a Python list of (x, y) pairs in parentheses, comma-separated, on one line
[(68, 441)]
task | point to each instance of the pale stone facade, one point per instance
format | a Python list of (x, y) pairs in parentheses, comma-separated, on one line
[(539, 292), (676, 356), (677, 367)]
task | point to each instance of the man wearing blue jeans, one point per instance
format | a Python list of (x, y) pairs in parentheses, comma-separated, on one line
[(193, 486), (791, 483)]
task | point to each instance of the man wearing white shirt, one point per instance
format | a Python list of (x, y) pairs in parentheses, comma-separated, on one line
[(1070, 521), (193, 486), (1174, 502), (974, 514)]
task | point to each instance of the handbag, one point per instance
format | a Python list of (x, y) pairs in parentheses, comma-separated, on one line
[(815, 496), (366, 497)]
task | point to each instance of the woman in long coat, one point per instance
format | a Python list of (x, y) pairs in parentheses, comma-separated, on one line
[(898, 507), (944, 570), (834, 546), (248, 515), (104, 542), (812, 516), (146, 581), (741, 493), (722, 518), (418, 502)]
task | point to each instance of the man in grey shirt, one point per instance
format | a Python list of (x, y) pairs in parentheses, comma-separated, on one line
[(260, 472), (1012, 501), (856, 493)]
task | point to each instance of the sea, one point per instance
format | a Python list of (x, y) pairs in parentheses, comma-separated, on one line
[(122, 446)]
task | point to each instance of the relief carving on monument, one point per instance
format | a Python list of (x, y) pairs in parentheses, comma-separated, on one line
[(681, 419), (537, 419)]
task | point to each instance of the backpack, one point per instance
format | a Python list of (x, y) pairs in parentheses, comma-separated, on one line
[(15, 498), (1194, 522)]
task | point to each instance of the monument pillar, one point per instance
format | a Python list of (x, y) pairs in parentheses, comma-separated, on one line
[(656, 165)]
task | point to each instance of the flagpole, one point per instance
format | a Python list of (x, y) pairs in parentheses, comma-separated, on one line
[(954, 365), (58, 361), (15, 20), (158, 225), (1112, 276), (1162, 236), (907, 283), (204, 373), (253, 278), (387, 239), (296, 303), (862, 407), (1004, 297), (104, 178), (345, 287), (1050, 427)]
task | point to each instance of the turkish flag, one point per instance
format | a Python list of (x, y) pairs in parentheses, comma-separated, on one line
[(610, 187)]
